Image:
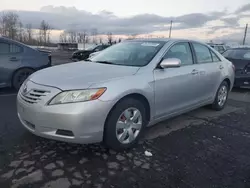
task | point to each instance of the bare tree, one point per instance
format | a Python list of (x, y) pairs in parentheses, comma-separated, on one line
[(29, 32), (133, 36), (21, 35), (81, 37), (94, 34), (44, 33), (72, 36), (100, 40), (9, 22), (110, 38), (63, 37)]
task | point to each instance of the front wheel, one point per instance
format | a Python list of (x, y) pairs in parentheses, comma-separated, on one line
[(125, 124), (221, 96), (20, 76)]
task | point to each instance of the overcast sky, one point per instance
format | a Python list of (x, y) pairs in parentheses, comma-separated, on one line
[(204, 19)]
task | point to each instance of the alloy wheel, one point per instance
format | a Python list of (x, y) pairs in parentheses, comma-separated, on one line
[(128, 125), (222, 95)]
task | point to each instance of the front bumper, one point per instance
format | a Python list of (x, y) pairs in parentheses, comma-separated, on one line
[(243, 80), (81, 123)]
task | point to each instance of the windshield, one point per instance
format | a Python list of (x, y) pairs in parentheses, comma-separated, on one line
[(129, 53), (237, 54), (91, 47)]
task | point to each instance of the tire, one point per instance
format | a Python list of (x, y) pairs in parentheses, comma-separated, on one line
[(217, 104), (20, 76), (111, 134)]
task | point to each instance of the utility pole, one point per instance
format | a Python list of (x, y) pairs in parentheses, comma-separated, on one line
[(170, 29), (245, 34)]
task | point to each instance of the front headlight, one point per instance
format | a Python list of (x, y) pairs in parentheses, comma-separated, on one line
[(77, 96)]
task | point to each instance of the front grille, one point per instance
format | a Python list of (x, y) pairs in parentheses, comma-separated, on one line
[(33, 96)]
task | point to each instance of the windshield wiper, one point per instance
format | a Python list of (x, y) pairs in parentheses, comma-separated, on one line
[(105, 62)]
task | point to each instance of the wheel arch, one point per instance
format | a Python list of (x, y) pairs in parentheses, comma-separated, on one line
[(227, 80), (18, 69), (136, 96)]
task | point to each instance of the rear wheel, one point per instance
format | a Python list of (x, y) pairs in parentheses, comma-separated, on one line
[(221, 96), (125, 124), (20, 76)]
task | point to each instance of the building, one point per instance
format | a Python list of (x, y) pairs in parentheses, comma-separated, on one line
[(73, 46)]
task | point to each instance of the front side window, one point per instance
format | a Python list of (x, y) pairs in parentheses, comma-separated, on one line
[(129, 53), (203, 54), (4, 48), (180, 51)]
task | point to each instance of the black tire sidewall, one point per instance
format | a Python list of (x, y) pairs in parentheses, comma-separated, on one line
[(216, 105), (110, 138), (14, 78)]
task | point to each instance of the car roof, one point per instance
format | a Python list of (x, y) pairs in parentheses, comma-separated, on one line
[(12, 41), (216, 44), (164, 40), (241, 48)]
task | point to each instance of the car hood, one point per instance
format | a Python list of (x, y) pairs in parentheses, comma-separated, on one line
[(80, 75), (82, 51), (44, 51)]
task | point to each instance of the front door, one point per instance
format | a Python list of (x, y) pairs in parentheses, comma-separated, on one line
[(176, 88)]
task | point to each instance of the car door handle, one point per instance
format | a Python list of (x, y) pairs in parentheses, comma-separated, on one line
[(194, 72), (221, 67), (13, 59)]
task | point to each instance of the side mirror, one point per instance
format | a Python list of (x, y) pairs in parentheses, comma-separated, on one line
[(170, 63)]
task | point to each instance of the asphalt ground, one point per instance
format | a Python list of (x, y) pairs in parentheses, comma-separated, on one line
[(202, 148)]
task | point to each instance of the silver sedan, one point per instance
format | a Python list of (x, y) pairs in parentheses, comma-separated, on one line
[(120, 91)]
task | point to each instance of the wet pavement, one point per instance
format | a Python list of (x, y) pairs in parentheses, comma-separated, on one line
[(200, 149)]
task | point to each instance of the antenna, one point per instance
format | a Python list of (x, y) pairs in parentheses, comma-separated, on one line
[(245, 34), (170, 29)]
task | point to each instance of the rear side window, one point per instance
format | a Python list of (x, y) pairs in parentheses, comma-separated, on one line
[(15, 49), (203, 54), (4, 48), (243, 54)]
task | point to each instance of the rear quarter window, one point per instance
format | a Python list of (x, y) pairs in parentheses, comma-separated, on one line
[(15, 48)]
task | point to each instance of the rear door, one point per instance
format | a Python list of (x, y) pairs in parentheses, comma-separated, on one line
[(10, 60), (210, 70)]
